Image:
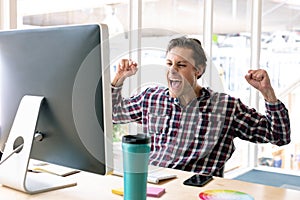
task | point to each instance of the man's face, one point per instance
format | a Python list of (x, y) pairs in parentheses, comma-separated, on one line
[(182, 73)]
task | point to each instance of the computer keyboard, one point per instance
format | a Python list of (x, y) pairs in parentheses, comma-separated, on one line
[(155, 174)]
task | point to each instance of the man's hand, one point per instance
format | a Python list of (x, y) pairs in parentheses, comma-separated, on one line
[(260, 80), (125, 69)]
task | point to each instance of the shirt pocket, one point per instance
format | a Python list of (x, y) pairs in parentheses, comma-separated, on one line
[(209, 127), (159, 119)]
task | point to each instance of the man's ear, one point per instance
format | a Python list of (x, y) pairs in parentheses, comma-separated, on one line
[(199, 71)]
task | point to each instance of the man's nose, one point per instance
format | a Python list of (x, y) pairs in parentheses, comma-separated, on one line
[(173, 69)]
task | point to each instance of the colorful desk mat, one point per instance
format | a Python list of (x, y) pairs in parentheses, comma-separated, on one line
[(224, 195)]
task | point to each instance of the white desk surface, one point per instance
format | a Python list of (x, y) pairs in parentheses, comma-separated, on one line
[(91, 186)]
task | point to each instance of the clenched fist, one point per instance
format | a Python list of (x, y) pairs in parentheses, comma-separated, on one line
[(260, 80)]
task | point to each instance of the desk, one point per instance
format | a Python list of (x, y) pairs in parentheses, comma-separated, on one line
[(91, 186)]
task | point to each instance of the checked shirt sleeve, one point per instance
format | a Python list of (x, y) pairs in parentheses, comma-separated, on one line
[(125, 110), (273, 127)]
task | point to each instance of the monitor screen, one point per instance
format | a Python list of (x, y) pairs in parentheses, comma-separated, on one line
[(69, 67)]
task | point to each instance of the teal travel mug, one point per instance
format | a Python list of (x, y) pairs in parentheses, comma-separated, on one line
[(136, 149)]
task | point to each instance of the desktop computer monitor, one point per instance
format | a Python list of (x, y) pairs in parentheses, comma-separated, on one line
[(62, 76)]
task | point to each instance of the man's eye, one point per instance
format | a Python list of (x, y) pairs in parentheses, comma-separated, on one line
[(169, 64)]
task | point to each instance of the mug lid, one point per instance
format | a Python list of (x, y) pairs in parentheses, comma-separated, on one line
[(136, 139)]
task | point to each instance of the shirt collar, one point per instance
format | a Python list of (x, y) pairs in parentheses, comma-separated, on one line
[(205, 93)]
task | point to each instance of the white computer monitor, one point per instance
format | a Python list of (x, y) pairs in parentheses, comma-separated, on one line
[(55, 81)]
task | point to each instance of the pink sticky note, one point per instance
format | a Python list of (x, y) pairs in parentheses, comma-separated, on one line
[(155, 191)]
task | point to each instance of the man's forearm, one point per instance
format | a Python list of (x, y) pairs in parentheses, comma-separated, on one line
[(117, 81), (270, 96)]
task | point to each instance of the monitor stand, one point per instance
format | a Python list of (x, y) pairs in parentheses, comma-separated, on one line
[(14, 166)]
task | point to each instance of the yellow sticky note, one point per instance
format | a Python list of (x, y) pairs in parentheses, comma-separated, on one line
[(118, 191)]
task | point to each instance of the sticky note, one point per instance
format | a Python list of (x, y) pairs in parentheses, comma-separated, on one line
[(155, 191), (151, 191), (118, 191)]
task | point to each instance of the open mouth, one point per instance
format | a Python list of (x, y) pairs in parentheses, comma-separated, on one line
[(175, 84)]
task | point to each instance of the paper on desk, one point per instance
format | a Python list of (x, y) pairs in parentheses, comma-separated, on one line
[(52, 169)]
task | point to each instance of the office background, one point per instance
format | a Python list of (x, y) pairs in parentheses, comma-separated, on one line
[(237, 35)]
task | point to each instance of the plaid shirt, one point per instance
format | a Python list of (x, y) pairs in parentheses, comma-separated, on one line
[(199, 137)]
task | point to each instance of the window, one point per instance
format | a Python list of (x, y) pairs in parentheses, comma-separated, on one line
[(279, 56)]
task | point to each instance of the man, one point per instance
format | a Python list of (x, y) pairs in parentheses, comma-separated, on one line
[(191, 127)]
